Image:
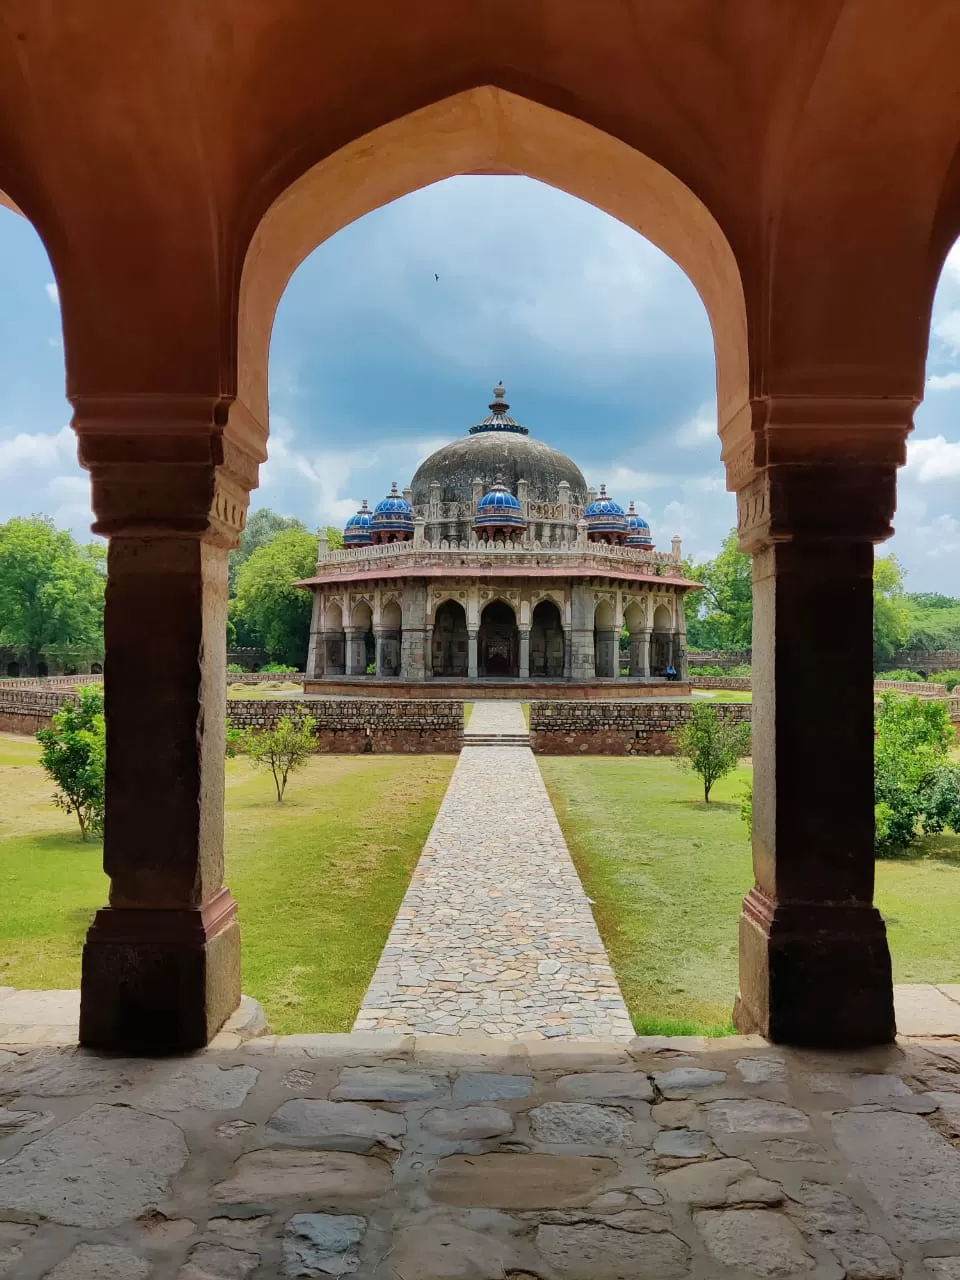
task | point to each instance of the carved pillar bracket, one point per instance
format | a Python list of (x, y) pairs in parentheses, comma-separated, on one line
[(816, 488), (171, 477)]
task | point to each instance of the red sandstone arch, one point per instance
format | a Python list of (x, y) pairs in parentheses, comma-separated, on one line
[(490, 130)]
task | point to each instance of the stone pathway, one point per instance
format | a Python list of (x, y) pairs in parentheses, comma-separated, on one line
[(391, 1157), (495, 933)]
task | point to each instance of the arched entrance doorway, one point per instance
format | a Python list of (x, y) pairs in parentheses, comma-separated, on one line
[(361, 649), (450, 642), (334, 643), (661, 643), (498, 643), (606, 642), (547, 650), (389, 640)]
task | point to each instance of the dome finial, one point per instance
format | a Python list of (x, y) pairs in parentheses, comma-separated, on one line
[(603, 491), (499, 419)]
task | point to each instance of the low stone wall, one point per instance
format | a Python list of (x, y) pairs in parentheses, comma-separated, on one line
[(359, 725), (27, 710), (742, 684), (265, 677), (46, 682), (732, 658), (923, 660), (914, 687), (478, 690), (615, 728)]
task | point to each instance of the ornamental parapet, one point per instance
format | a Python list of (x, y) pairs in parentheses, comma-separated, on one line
[(409, 556)]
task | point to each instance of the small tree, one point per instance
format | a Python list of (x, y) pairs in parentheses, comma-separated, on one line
[(284, 748), (74, 755), (711, 745)]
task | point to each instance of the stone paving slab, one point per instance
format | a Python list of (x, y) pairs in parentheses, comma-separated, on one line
[(495, 717), (385, 1158), (495, 933), (925, 1010)]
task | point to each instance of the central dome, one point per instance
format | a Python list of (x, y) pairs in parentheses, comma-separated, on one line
[(498, 451)]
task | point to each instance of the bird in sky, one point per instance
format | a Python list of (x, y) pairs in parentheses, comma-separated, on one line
[(435, 276)]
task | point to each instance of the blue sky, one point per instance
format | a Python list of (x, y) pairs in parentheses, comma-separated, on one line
[(602, 342)]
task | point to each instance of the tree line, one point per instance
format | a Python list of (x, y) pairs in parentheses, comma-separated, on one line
[(720, 617), (52, 590)]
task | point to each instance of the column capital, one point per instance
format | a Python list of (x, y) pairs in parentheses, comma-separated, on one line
[(835, 430), (160, 465)]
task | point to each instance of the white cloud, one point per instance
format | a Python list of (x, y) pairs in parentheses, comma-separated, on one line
[(701, 427), (40, 451), (326, 486), (53, 293), (952, 264), (947, 329), (944, 381), (931, 460)]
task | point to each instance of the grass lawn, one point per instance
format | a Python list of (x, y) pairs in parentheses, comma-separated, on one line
[(318, 878), (667, 874), (724, 695)]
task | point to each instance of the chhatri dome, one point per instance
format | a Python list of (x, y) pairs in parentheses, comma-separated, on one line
[(498, 450)]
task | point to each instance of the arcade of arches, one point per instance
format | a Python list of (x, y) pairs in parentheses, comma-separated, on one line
[(801, 162)]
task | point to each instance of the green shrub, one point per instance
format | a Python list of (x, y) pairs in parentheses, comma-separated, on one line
[(742, 669), (746, 806), (708, 670), (371, 668), (950, 678), (710, 745), (900, 675), (916, 788), (234, 669), (279, 668), (74, 754), (284, 748), (235, 737)]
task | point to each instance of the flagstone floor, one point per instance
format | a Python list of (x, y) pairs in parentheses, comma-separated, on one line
[(393, 1157), (495, 933)]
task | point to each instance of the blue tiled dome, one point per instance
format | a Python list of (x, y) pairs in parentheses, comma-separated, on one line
[(639, 534), (603, 515), (394, 514), (356, 532), (499, 507)]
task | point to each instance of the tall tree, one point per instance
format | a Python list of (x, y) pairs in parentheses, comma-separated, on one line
[(51, 591), (721, 615), (268, 604), (891, 614), (261, 528)]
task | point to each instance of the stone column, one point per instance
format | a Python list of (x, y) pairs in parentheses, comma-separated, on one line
[(170, 484), (472, 666), (315, 651), (356, 652), (814, 962), (524, 653), (640, 654), (607, 653)]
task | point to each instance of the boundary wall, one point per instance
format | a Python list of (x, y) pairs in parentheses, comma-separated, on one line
[(615, 728)]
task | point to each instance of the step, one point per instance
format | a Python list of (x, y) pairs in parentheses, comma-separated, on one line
[(496, 740)]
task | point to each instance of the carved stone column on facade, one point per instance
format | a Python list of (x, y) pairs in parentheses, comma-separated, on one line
[(814, 961), (640, 654), (387, 641), (170, 485), (356, 651), (315, 651), (524, 633), (472, 662)]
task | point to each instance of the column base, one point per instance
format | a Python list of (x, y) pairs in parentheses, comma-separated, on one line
[(160, 981), (814, 974)]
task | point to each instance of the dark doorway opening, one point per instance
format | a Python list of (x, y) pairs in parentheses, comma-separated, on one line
[(498, 642), (450, 646), (546, 641)]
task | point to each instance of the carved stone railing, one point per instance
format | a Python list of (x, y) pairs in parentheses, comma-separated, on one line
[(407, 555)]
